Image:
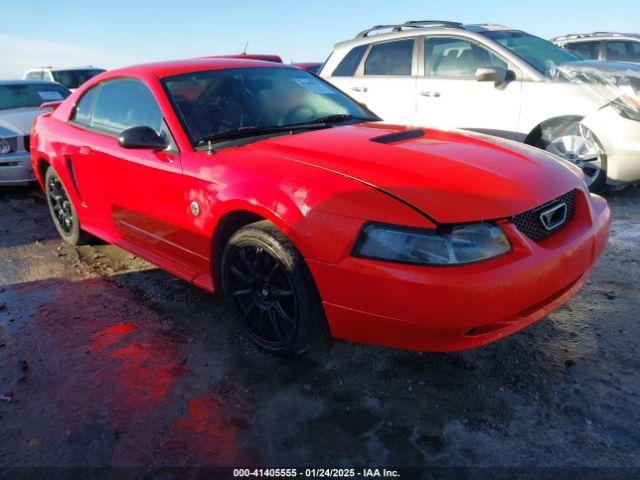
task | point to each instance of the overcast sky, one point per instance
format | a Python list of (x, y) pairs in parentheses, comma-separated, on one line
[(116, 32)]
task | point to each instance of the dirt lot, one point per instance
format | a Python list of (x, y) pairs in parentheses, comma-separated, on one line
[(109, 361)]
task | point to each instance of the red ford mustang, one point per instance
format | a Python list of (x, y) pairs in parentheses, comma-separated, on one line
[(265, 182)]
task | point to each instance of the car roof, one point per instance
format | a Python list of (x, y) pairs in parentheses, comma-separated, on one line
[(177, 67), (419, 27), (57, 69), (251, 56), (595, 35), (30, 82)]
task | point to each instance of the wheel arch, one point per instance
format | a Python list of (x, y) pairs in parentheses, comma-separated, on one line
[(535, 134), (42, 165), (227, 225), (236, 215)]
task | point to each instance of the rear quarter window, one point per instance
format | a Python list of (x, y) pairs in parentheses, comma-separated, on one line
[(349, 64), (84, 108)]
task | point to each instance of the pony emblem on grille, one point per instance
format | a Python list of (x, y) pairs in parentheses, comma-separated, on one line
[(555, 216)]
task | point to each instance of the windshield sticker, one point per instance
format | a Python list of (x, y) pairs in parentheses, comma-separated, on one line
[(50, 96), (313, 86)]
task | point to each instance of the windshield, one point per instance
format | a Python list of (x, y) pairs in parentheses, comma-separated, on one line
[(213, 102), (27, 95), (75, 78), (540, 54)]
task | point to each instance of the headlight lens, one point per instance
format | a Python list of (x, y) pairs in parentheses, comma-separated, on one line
[(5, 147), (628, 107), (453, 246)]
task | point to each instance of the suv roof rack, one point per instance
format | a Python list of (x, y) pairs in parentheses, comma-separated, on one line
[(573, 36), (398, 27)]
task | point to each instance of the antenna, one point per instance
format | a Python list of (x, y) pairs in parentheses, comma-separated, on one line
[(246, 45)]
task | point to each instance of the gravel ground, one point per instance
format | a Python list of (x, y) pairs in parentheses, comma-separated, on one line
[(106, 360)]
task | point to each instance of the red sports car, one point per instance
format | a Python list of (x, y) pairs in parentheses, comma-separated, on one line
[(265, 182)]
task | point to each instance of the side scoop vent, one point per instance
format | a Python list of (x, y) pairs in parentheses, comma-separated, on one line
[(399, 136)]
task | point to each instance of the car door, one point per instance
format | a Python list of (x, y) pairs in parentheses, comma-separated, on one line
[(449, 95), (385, 81), (144, 189)]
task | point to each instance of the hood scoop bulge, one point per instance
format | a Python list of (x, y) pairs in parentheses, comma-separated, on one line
[(398, 136)]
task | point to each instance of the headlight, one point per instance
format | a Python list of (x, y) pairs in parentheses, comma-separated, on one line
[(627, 106), (5, 147), (453, 246)]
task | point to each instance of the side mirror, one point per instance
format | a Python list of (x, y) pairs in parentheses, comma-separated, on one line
[(142, 137), (496, 75)]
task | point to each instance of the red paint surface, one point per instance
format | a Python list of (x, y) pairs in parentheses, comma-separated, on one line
[(209, 431), (111, 335), (317, 188)]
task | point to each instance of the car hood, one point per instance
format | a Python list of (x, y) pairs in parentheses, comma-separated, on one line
[(613, 75), (17, 121), (450, 176)]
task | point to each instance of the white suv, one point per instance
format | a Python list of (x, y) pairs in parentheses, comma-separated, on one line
[(616, 47), (493, 80), (71, 78)]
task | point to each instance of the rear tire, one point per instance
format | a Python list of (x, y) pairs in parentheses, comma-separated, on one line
[(63, 212), (271, 290)]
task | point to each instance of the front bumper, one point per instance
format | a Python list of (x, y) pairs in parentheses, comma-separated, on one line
[(456, 308), (16, 169), (620, 138)]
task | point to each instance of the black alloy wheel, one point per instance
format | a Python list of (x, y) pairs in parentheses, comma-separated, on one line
[(271, 290), (62, 210)]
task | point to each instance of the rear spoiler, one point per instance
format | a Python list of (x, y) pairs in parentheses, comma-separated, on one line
[(49, 107)]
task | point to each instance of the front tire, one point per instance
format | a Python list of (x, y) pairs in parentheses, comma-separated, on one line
[(575, 143), (271, 291), (63, 212)]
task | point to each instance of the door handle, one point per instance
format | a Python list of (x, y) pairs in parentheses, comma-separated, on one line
[(84, 150), (430, 94), (359, 89)]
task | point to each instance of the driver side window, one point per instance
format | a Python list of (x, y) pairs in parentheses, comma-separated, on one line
[(125, 103), (456, 57)]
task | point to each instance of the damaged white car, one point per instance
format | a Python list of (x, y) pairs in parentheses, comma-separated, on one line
[(499, 81)]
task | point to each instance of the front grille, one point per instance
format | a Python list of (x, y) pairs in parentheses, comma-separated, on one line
[(530, 223), (27, 144)]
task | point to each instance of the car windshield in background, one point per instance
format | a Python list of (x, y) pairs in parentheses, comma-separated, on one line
[(540, 54), (26, 95), (216, 103), (75, 78)]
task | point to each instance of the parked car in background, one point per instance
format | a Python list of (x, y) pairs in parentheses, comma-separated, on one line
[(20, 102), (71, 78), (311, 67), (617, 47), (495, 80), (265, 182)]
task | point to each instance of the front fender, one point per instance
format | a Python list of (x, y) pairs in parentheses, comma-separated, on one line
[(319, 211)]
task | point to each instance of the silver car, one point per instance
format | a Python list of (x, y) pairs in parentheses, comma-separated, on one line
[(20, 103), (616, 47)]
